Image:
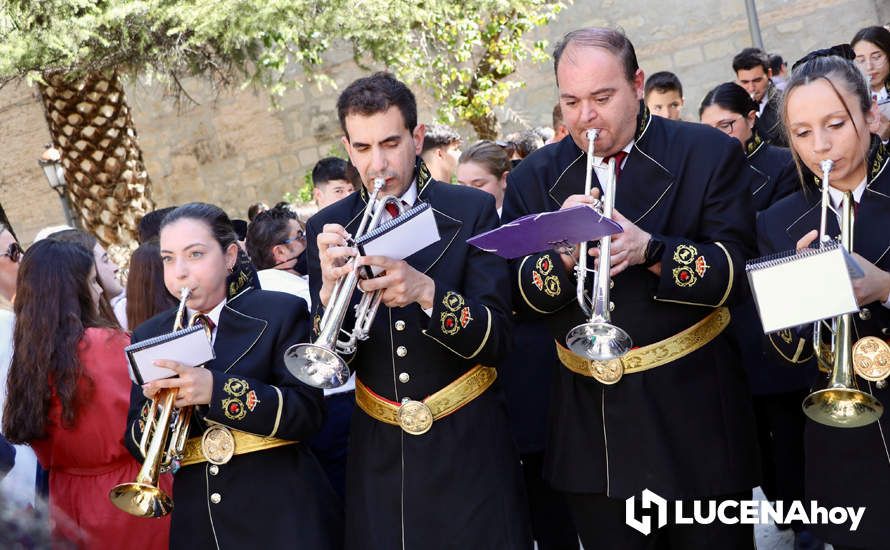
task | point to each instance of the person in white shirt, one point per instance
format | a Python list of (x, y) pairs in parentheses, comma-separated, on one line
[(275, 241), (19, 483)]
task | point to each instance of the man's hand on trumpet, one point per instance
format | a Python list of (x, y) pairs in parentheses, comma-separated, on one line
[(402, 284), (333, 255), (628, 248)]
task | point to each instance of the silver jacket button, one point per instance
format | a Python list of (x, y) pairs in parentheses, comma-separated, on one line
[(215, 498), (401, 351), (865, 314), (400, 325), (214, 469), (404, 377)]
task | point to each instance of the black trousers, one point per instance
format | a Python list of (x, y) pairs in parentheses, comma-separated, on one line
[(601, 525), (552, 524), (780, 427)]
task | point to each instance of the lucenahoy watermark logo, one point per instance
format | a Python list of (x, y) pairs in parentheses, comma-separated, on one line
[(729, 512)]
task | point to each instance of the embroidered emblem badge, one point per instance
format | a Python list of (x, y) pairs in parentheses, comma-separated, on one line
[(785, 335), (450, 325), (701, 266), (316, 323), (685, 254), (551, 285), (537, 280), (235, 387), (453, 301), (684, 276), (234, 409), (544, 265), (465, 317), (251, 400)]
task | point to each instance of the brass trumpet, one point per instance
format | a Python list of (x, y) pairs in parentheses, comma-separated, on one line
[(162, 444), (841, 404), (319, 364), (598, 339)]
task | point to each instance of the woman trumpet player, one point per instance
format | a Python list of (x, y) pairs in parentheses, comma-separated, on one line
[(271, 493), (827, 112)]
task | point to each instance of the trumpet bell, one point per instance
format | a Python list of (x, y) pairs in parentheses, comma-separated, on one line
[(598, 341), (141, 499), (842, 407), (316, 366)]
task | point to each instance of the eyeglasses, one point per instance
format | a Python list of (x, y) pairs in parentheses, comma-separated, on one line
[(877, 59), (726, 126), (300, 236), (14, 252)]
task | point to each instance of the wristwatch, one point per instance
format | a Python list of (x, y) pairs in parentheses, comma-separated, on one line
[(654, 251)]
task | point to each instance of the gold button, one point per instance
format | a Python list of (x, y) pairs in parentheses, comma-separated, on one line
[(401, 351), (214, 469), (404, 378), (400, 325), (215, 498)]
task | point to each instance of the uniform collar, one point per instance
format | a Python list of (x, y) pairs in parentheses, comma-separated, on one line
[(754, 143)]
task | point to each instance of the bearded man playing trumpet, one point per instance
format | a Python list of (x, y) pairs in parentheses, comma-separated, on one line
[(431, 462), (672, 414)]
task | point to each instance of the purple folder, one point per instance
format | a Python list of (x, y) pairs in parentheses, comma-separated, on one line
[(545, 231)]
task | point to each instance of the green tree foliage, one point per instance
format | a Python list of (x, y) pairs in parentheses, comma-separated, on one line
[(462, 51)]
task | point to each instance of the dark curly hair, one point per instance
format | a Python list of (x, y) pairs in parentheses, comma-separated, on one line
[(268, 229), (376, 94), (53, 308)]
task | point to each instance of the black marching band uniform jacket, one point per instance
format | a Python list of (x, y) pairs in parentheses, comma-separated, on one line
[(684, 429), (459, 484), (776, 178), (272, 498), (844, 466)]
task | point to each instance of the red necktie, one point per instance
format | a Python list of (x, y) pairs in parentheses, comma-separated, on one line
[(392, 209), (619, 159)]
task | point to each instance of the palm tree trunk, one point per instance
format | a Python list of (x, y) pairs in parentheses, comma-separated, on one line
[(107, 184)]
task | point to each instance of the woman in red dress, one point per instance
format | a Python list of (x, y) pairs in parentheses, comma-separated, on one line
[(68, 395)]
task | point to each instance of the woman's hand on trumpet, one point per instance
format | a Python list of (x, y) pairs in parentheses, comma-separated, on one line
[(873, 287), (333, 255), (195, 384)]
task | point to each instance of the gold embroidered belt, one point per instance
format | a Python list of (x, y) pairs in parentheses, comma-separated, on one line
[(220, 443), (651, 356), (416, 417)]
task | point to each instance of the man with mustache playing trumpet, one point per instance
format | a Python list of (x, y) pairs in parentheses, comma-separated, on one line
[(678, 422)]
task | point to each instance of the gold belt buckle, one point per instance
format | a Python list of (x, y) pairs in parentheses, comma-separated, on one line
[(415, 417), (606, 372), (218, 444)]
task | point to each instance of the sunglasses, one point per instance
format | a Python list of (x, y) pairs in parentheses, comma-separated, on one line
[(14, 252)]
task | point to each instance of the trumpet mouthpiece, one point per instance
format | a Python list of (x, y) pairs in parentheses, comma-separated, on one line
[(826, 165), (379, 183), (592, 134)]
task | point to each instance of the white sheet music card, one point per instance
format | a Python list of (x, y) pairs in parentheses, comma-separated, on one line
[(796, 288), (401, 237), (189, 346)]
